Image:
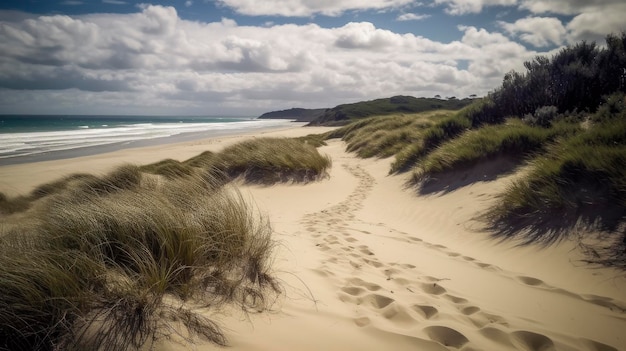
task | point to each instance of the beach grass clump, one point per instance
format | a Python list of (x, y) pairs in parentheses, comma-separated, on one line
[(579, 182), (59, 185), (443, 129), (204, 160), (9, 205), (170, 168), (316, 140), (42, 294), (515, 140), (271, 160), (121, 264), (386, 136)]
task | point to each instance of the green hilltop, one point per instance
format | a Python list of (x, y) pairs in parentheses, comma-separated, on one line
[(345, 113)]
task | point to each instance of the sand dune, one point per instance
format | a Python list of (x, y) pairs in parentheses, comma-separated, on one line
[(388, 269), (370, 265)]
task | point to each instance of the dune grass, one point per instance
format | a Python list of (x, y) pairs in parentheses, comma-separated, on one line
[(169, 168), (115, 266), (386, 136), (515, 140), (270, 160), (123, 260), (580, 181)]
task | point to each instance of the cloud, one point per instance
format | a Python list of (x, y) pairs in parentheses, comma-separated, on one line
[(538, 31), (568, 7), (461, 7), (114, 2), (595, 23), (156, 62), (591, 20), (188, 3), (412, 17), (72, 2), (305, 8)]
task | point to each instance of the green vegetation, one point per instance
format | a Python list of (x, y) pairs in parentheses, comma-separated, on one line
[(344, 114), (127, 259), (564, 118), (581, 181), (384, 137), (514, 139), (270, 160)]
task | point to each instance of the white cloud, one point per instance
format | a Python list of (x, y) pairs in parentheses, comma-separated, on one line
[(568, 7), (412, 17), (461, 7), (538, 31), (188, 3), (596, 23), (155, 61), (592, 20), (304, 8)]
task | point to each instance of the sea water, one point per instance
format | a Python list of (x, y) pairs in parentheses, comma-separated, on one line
[(35, 138)]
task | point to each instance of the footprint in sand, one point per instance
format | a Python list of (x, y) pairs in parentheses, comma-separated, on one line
[(425, 311), (362, 321), (446, 336), (527, 340), (470, 310), (530, 281), (496, 335), (597, 346), (456, 300), (433, 288), (378, 301), (368, 286), (399, 316)]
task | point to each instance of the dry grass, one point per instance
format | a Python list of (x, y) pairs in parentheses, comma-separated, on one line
[(96, 264), (118, 262)]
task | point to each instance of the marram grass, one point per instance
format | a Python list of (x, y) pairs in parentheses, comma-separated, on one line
[(118, 262), (97, 267)]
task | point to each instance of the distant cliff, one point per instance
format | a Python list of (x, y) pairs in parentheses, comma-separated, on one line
[(297, 114)]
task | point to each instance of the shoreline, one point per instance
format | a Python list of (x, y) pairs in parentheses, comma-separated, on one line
[(20, 178), (100, 149)]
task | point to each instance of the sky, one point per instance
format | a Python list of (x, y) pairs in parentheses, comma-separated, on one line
[(246, 57)]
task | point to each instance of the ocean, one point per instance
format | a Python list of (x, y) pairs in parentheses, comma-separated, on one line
[(37, 138)]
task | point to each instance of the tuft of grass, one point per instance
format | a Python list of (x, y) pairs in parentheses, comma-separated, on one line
[(442, 130), (59, 185), (385, 136), (10, 205), (514, 139), (170, 168), (43, 293), (204, 160), (316, 140), (580, 181), (115, 264), (270, 160)]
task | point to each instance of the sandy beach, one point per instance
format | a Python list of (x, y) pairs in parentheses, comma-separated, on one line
[(368, 264)]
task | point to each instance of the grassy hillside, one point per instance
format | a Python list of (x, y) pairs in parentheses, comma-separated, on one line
[(344, 114), (564, 118)]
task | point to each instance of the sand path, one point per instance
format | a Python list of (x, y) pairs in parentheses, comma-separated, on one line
[(379, 268)]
